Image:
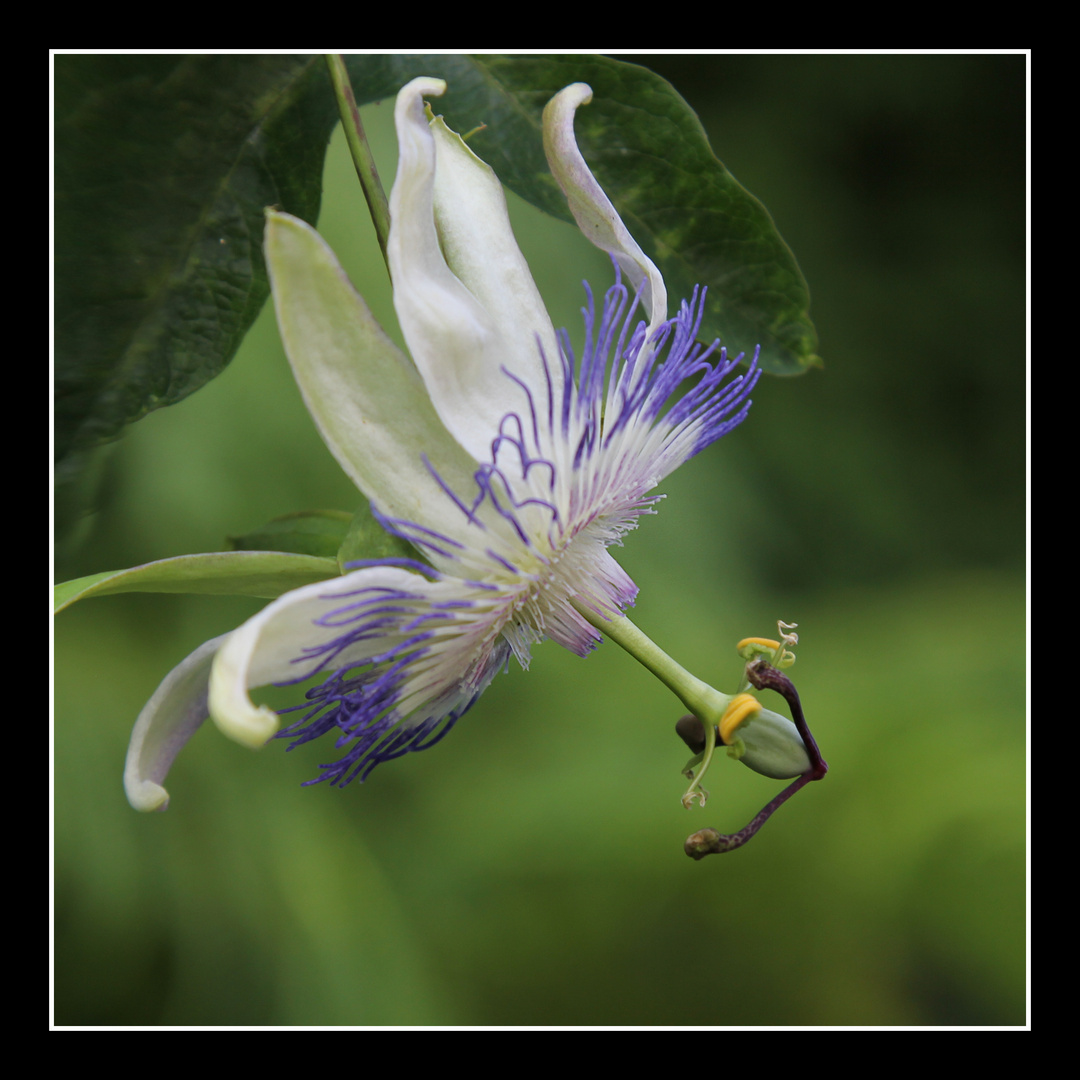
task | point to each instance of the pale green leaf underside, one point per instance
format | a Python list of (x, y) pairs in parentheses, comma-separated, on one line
[(265, 574)]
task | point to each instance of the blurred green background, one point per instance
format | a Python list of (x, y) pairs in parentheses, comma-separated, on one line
[(529, 870)]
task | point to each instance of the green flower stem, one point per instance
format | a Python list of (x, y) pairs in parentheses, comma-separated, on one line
[(372, 187), (699, 697)]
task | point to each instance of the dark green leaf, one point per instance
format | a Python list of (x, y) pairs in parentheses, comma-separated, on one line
[(307, 532), (163, 167), (165, 163)]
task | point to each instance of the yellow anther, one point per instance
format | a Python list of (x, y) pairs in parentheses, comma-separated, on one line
[(751, 648), (763, 642), (740, 709)]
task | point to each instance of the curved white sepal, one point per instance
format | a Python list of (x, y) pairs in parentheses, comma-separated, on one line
[(457, 346), (592, 209), (270, 647), (481, 251), (370, 405), (174, 713)]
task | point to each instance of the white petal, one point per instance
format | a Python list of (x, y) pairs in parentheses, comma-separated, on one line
[(446, 633), (479, 245), (369, 404), (592, 209), (174, 713), (459, 341)]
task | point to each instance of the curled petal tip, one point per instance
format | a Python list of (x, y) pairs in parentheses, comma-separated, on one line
[(593, 211), (144, 795), (570, 97), (411, 123), (166, 723), (230, 707), (252, 727), (422, 86)]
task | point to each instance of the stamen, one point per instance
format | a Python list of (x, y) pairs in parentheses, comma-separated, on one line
[(767, 643), (739, 710)]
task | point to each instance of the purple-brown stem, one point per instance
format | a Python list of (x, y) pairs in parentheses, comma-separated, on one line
[(764, 676)]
